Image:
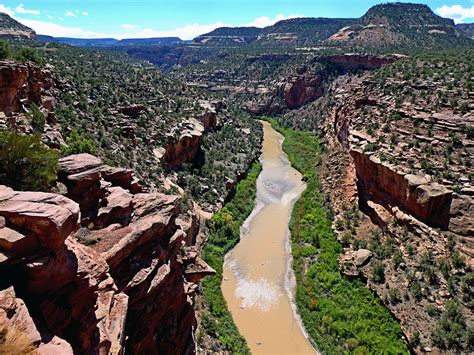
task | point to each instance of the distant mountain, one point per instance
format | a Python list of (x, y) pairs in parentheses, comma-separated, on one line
[(12, 28), (229, 36), (108, 42), (302, 31), (162, 41), (467, 29), (399, 24), (79, 42)]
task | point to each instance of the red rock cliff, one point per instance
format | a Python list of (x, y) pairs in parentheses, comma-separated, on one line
[(130, 289)]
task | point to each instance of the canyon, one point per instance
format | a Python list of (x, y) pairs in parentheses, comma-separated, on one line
[(160, 219), (260, 286)]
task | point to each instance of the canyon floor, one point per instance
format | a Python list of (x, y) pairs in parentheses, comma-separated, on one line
[(145, 206)]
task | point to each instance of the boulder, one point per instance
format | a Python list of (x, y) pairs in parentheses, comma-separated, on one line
[(361, 257), (118, 208), (17, 322), (44, 219), (184, 148)]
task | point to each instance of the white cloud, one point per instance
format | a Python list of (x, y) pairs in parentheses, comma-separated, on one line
[(134, 31), (85, 13), (128, 27), (265, 21), (7, 10), (52, 29), (50, 17), (456, 12), (20, 9), (185, 32)]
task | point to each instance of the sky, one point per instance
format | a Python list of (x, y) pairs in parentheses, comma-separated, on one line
[(188, 18)]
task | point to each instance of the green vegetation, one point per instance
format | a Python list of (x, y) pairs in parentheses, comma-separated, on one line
[(224, 234), (5, 50), (452, 331), (28, 54), (22, 54), (26, 164), (38, 119), (77, 143), (341, 315)]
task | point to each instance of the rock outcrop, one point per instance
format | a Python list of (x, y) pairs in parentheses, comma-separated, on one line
[(182, 146), (22, 85), (428, 201), (128, 287), (14, 29), (347, 62), (209, 118), (298, 90)]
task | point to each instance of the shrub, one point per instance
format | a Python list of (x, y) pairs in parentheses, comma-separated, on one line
[(378, 272), (5, 50), (415, 290), (38, 119), (77, 144), (26, 164), (27, 54), (451, 330)]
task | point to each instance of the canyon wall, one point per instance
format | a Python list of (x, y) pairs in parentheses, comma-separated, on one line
[(22, 85), (125, 283), (430, 202)]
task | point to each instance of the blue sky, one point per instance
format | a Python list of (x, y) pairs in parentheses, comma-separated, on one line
[(187, 18)]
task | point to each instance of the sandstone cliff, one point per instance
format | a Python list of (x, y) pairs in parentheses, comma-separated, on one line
[(126, 283), (398, 206)]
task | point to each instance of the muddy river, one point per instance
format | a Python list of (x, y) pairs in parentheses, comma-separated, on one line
[(258, 282)]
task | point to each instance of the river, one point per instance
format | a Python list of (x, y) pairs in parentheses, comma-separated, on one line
[(258, 282)]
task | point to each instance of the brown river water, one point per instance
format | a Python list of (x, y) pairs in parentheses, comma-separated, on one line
[(258, 282)]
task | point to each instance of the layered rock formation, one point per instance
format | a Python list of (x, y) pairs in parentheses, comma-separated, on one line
[(131, 288), (183, 144), (22, 85), (428, 201), (11, 28), (404, 166)]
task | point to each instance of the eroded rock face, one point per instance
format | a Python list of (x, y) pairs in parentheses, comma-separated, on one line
[(132, 288), (23, 84), (210, 116), (346, 62), (430, 202), (183, 144), (299, 90)]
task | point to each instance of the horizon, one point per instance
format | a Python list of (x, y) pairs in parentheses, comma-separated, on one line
[(146, 19)]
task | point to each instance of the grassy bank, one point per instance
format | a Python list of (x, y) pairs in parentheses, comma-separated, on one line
[(341, 315), (224, 235)]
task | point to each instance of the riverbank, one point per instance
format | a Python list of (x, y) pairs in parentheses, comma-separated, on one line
[(340, 315), (258, 276), (224, 234)]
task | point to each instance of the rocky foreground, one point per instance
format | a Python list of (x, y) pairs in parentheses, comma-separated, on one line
[(131, 288)]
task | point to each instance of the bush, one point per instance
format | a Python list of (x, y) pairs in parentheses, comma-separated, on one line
[(77, 144), (5, 50), (451, 331), (378, 272), (26, 163), (38, 119), (27, 54)]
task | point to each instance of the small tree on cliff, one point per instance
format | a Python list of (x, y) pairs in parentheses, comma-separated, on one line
[(26, 163), (38, 119), (77, 143), (5, 50)]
